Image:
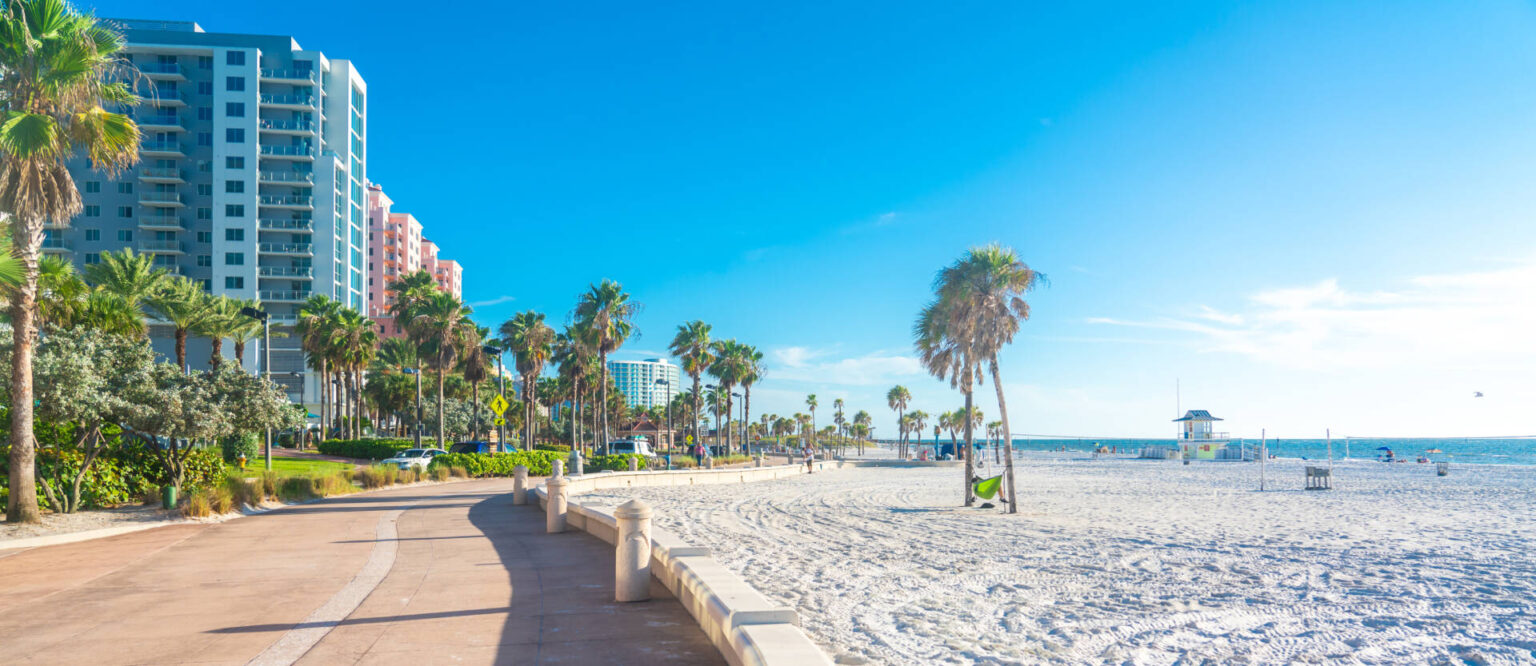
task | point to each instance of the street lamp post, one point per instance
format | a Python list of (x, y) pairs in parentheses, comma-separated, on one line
[(716, 411), (743, 423), (670, 435), (417, 429), (266, 360)]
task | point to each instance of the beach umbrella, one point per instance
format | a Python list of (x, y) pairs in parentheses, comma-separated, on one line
[(1383, 448), (1434, 451)]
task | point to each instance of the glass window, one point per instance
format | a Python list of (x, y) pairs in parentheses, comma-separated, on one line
[(92, 186), (205, 113), (205, 62), (234, 210), (234, 282), (93, 211), (205, 260), (205, 138), (234, 186), (234, 109), (234, 135), (234, 234), (205, 236), (92, 258), (125, 235), (204, 190), (205, 213), (234, 259), (205, 88), (234, 58), (93, 234), (234, 162), (234, 83), (125, 188), (125, 211)]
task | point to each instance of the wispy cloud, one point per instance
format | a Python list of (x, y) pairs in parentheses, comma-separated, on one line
[(1450, 320), (800, 364), (494, 301)]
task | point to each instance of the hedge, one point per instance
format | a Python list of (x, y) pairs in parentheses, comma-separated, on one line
[(121, 473), (618, 462), (540, 463), (552, 447), (372, 448)]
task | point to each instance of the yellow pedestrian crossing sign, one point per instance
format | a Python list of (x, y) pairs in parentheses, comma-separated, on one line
[(500, 421), (498, 405)]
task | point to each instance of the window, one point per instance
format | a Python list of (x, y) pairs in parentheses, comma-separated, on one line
[(205, 138), (205, 62), (92, 258), (205, 236), (234, 234), (92, 186), (205, 213), (204, 260), (207, 285), (233, 282), (234, 258), (204, 190), (234, 162), (234, 58), (125, 211), (234, 109), (125, 188), (234, 83), (234, 186), (93, 211), (234, 210), (234, 135), (205, 88), (125, 235), (93, 234), (205, 113)]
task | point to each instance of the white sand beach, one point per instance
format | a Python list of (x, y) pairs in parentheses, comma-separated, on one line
[(1139, 562)]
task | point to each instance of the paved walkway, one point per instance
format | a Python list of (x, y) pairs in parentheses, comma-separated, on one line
[(431, 574)]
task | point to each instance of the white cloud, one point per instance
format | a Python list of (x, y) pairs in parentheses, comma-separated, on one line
[(494, 301), (799, 364), (1480, 319)]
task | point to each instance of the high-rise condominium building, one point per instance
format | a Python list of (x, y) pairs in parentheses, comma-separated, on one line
[(250, 181), (637, 381), (395, 248)]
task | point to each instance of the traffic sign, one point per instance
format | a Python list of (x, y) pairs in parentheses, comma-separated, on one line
[(500, 421), (498, 405)]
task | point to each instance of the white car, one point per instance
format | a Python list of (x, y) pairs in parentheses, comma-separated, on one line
[(414, 458), (630, 446)]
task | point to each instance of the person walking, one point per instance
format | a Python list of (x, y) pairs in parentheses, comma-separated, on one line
[(810, 458)]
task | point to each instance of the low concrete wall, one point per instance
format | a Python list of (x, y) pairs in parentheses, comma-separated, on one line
[(747, 628)]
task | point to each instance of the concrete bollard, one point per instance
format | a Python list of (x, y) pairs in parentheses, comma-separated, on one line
[(559, 468), (758, 461), (632, 561), (634, 464), (576, 463), (520, 484), (709, 462), (554, 511)]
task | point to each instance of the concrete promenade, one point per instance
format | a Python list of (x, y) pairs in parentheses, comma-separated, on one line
[(448, 573)]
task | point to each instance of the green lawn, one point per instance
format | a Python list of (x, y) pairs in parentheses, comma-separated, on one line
[(295, 466)]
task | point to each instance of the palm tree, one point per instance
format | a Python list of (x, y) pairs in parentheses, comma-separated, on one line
[(727, 369), (57, 68), (607, 312), (810, 401), (983, 297), (317, 316), (184, 305), (399, 354), (837, 416), (573, 352), (897, 399), (246, 328), (948, 353), (994, 431), (476, 368), (531, 342), (353, 343), (752, 369), (440, 325), (222, 320), (693, 348), (863, 421), (919, 419), (133, 278)]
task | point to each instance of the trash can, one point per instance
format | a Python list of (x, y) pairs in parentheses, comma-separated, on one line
[(168, 497)]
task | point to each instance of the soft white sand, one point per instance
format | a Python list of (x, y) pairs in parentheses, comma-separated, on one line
[(1127, 561)]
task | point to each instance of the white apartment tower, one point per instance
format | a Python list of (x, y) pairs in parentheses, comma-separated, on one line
[(251, 179)]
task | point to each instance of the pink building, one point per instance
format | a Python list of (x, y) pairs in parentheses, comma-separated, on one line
[(396, 248)]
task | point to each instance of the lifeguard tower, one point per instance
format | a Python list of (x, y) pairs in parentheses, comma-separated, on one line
[(1197, 438)]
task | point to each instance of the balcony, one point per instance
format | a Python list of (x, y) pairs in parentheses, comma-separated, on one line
[(163, 100), (162, 149), (153, 246), (290, 76), (285, 296), (154, 123), (273, 201), (304, 153), (295, 102), (162, 175), (301, 178), (288, 249), (161, 199), (57, 245), (162, 223), (285, 126), (300, 272), (279, 224), (162, 71)]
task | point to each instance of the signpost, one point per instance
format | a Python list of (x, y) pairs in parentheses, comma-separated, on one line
[(499, 405)]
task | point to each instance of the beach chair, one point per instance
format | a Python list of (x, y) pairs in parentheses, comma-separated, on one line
[(1319, 478), (1442, 469)]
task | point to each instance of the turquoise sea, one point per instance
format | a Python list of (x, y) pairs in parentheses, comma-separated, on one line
[(1501, 451)]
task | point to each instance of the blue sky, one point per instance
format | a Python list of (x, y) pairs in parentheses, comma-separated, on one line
[(1311, 214)]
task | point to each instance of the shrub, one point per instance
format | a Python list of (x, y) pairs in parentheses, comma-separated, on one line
[(378, 476), (339, 483), (540, 463), (678, 462), (371, 448), (221, 499), (121, 473), (618, 462), (269, 481), (553, 447), (244, 492), (198, 504), (439, 473), (295, 489), (150, 496), (232, 447), (458, 472)]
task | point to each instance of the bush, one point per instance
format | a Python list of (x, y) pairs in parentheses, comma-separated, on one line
[(618, 462), (439, 473), (244, 492), (221, 499), (198, 504), (553, 447), (121, 473), (339, 483), (458, 472), (540, 463), (379, 476), (269, 481), (248, 444), (371, 448), (295, 489)]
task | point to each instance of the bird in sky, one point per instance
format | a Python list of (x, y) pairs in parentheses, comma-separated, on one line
[(1477, 394)]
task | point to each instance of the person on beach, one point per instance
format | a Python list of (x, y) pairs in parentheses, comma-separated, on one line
[(810, 457)]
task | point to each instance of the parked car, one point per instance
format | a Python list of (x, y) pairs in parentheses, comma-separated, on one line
[(641, 447), (414, 458), (470, 447)]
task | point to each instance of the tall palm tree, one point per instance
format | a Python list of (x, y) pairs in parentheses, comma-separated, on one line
[(246, 328), (476, 368), (134, 278), (352, 345), (399, 355), (531, 342), (573, 351), (440, 325), (693, 349), (752, 370), (863, 420), (317, 316), (184, 305), (983, 293), (948, 352), (57, 69), (837, 415), (897, 399), (810, 401), (608, 312), (727, 370), (919, 419), (222, 320)]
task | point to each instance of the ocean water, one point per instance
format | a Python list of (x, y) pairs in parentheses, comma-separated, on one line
[(1503, 451)]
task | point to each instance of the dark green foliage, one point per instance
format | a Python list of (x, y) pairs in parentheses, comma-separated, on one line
[(618, 462), (553, 447), (540, 463), (121, 473), (234, 445), (371, 448)]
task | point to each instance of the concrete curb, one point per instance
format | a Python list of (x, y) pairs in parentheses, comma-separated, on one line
[(747, 628)]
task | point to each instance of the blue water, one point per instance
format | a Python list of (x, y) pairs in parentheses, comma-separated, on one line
[(1461, 450)]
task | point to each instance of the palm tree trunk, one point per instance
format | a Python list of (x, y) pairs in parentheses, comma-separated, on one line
[(1002, 408), (697, 409), (441, 372), (22, 504), (343, 404), (474, 423), (240, 351), (746, 417), (602, 360), (181, 349), (970, 499), (216, 344), (362, 410), (575, 410)]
